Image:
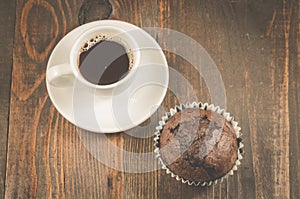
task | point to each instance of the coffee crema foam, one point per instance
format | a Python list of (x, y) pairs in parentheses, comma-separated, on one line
[(99, 38)]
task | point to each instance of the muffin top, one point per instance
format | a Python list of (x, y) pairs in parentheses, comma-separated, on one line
[(198, 145)]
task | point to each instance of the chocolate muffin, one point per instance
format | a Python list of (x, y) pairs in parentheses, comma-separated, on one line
[(198, 145)]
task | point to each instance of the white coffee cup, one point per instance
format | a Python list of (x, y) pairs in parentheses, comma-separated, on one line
[(58, 75)]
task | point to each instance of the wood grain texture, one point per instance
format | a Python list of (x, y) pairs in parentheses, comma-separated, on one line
[(273, 180), (294, 99), (255, 45), (40, 139), (7, 20)]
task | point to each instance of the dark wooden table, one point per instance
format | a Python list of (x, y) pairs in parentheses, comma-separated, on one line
[(256, 47)]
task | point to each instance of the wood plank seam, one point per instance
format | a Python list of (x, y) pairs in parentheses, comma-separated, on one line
[(9, 101)]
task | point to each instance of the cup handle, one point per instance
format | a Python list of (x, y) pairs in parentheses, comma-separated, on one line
[(60, 75)]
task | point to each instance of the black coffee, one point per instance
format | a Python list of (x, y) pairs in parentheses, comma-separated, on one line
[(104, 63)]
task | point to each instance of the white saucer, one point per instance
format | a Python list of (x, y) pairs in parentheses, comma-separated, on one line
[(123, 109)]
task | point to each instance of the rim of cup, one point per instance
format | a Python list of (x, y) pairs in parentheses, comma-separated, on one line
[(113, 32)]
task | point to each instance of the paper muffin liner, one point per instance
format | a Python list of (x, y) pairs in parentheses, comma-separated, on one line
[(204, 106)]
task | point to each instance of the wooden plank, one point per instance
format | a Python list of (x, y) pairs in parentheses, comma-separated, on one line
[(250, 49), (294, 101), (7, 27), (267, 98), (46, 158)]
